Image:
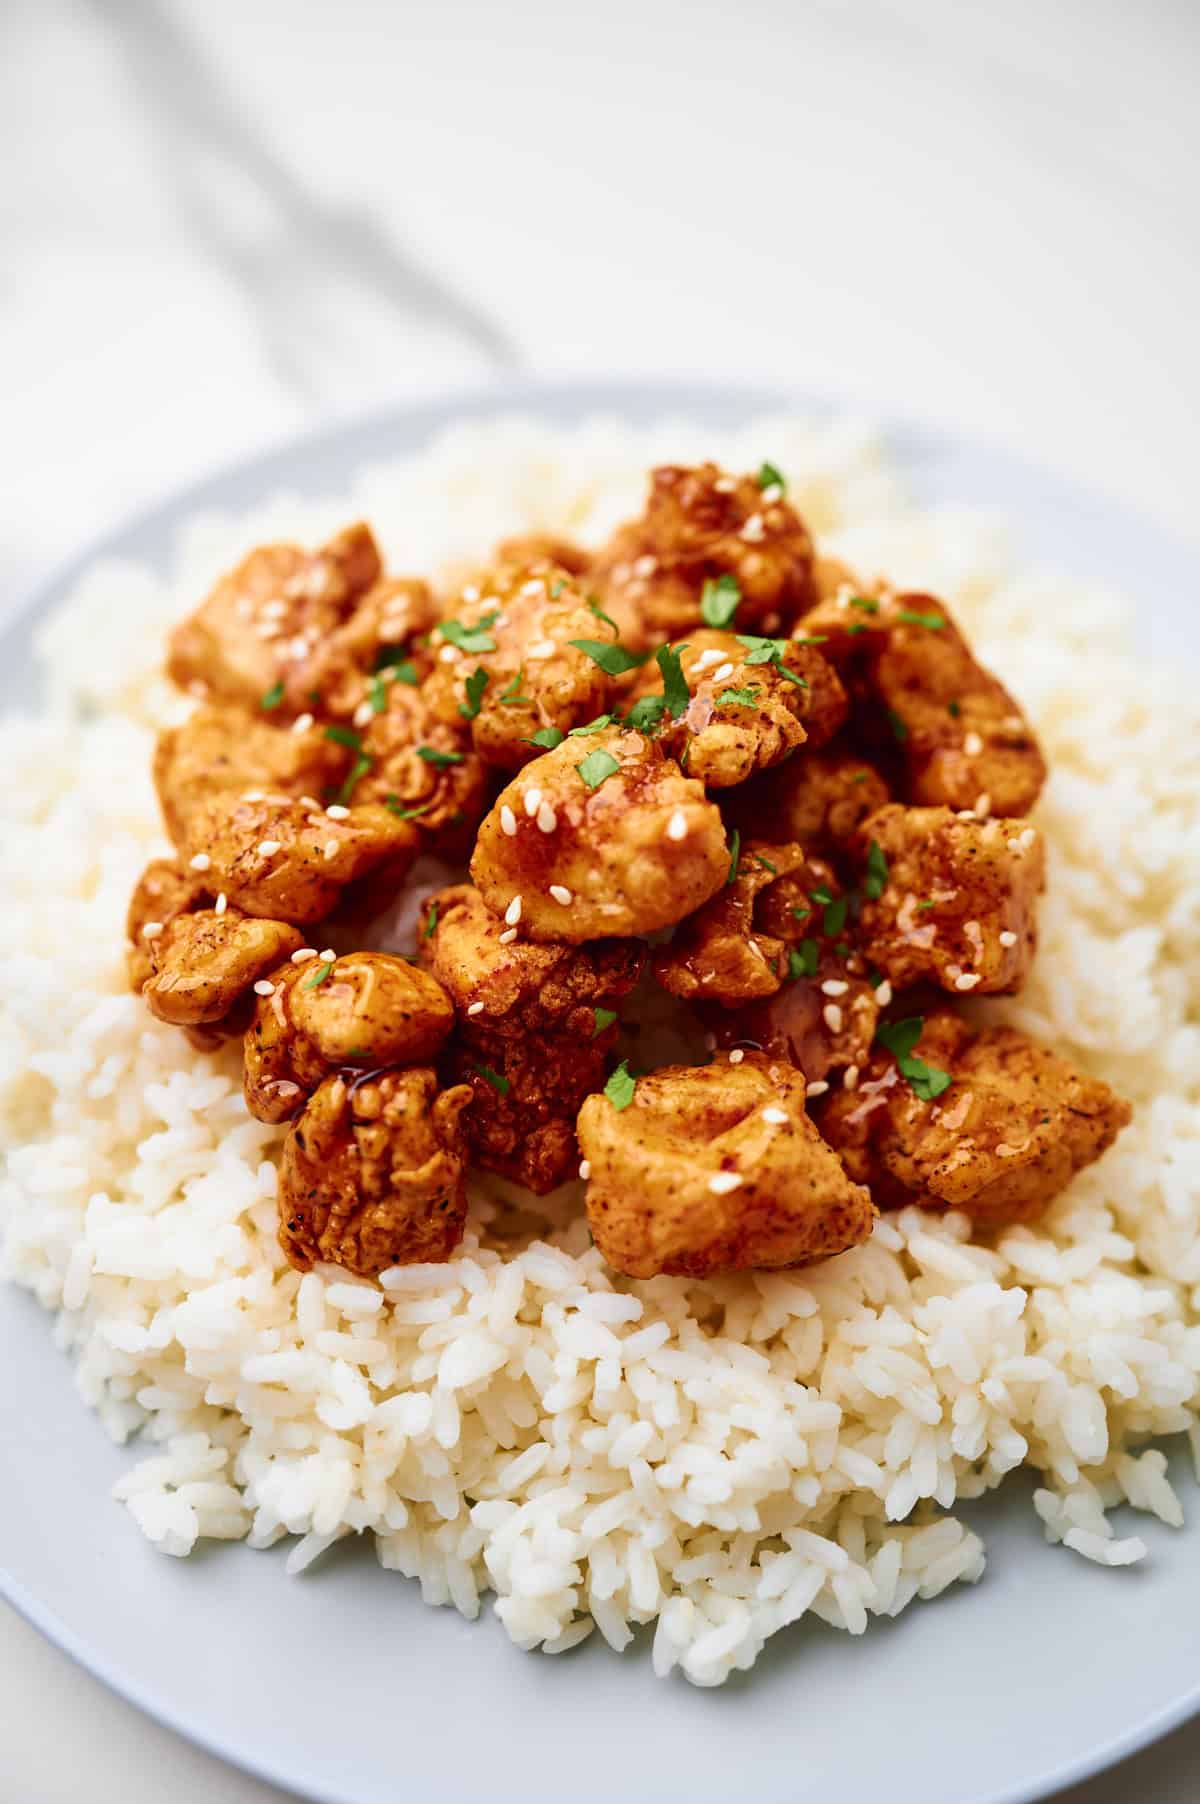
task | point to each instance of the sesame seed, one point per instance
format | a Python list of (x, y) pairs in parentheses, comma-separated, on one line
[(221, 904), (834, 986), (268, 847), (561, 893), (645, 565), (533, 800), (1007, 938), (254, 795), (677, 825), (972, 745), (967, 980), (475, 1008), (470, 593), (200, 862), (724, 485), (816, 1089), (754, 528), (722, 1182), (772, 492), (777, 1117), (338, 812), (264, 987), (328, 956), (547, 820), (983, 806), (621, 573), (534, 586), (708, 658), (508, 936), (331, 848), (1028, 839), (151, 930), (448, 654), (832, 1016), (585, 1168), (544, 648), (883, 994), (508, 820), (512, 913), (310, 802), (1013, 844), (362, 714), (721, 675), (965, 814), (850, 1077), (304, 954), (736, 1056)]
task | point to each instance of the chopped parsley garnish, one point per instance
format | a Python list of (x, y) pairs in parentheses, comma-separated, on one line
[(494, 1078), (431, 923), (556, 588), (512, 697), (910, 618), (597, 767), (860, 776), (470, 638), (477, 682), (613, 660), (593, 726), (842, 949), (766, 864), (395, 806), (621, 1085), (439, 760), (735, 851), (770, 478), (856, 627), (770, 651), (719, 601), (646, 713), (874, 978), (865, 602), (877, 872), (377, 694), (801, 914), (738, 698), (595, 608), (344, 736), (803, 959), (900, 1037), (359, 768), (318, 977), (273, 697), (821, 894), (391, 658), (954, 710), (922, 906), (675, 690), (898, 726), (604, 1018), (834, 917), (545, 737)]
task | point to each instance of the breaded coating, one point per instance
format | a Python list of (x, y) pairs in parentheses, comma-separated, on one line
[(919, 693), (163, 892), (544, 548), (535, 1025), (277, 857), (205, 965), (387, 630), (424, 769), (602, 837), (722, 953), (1015, 1125), (516, 627), (716, 1169), (701, 525), (365, 1010), (372, 1174), (226, 748), (957, 898), (819, 799), (259, 627)]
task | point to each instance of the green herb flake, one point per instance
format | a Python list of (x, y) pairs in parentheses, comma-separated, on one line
[(865, 603), (546, 738), (735, 852), (910, 618), (395, 806), (494, 1079), (738, 698), (821, 894), (597, 767), (898, 726), (842, 949), (860, 776), (557, 587), (273, 697), (766, 864), (719, 601), (613, 660), (439, 760), (318, 977), (834, 917), (793, 676), (803, 959), (595, 608), (810, 639), (512, 697), (954, 710), (470, 638), (344, 736), (377, 693), (770, 651), (620, 1087), (646, 714), (477, 682), (770, 478), (900, 1037), (604, 1018), (431, 923), (922, 906), (675, 690), (801, 914), (857, 627), (593, 726), (877, 872), (359, 768)]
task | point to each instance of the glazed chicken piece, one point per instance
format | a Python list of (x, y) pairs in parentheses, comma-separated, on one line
[(163, 892), (544, 548), (256, 632), (714, 1169), (349, 671), (701, 526), (602, 837), (949, 899), (273, 856), (535, 1026), (361, 1012), (372, 1174), (224, 748), (1008, 1134), (819, 800), (721, 954), (919, 694), (205, 964), (507, 665), (423, 769)]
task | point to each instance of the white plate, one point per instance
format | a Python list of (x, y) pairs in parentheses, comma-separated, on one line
[(344, 1687)]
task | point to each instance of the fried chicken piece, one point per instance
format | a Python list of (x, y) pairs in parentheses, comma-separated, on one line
[(225, 748), (366, 1010), (372, 1174), (163, 892), (385, 633), (721, 954), (205, 965), (716, 1169), (544, 548), (260, 626), (423, 769), (1015, 1125), (819, 799), (517, 627), (273, 856), (602, 837), (699, 526), (956, 898), (920, 694), (535, 1025)]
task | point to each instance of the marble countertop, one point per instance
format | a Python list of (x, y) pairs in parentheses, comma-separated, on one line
[(221, 224)]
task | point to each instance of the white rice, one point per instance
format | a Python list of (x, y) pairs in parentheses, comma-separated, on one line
[(718, 1458)]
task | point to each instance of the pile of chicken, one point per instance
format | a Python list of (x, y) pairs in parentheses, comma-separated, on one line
[(702, 758)]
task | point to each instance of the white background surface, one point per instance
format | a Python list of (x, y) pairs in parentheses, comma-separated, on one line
[(220, 224)]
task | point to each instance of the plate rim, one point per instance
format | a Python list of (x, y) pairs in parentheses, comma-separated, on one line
[(558, 399)]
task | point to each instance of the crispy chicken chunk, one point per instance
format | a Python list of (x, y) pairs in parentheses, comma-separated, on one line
[(701, 526), (261, 624), (919, 692), (364, 1011), (716, 1169), (819, 799), (372, 1173), (163, 892), (535, 1024), (603, 836), (517, 628), (205, 964), (956, 898), (721, 953), (386, 633), (273, 856), (423, 769), (1015, 1125), (225, 748)]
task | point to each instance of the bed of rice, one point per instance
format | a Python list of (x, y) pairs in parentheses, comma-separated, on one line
[(718, 1458)]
